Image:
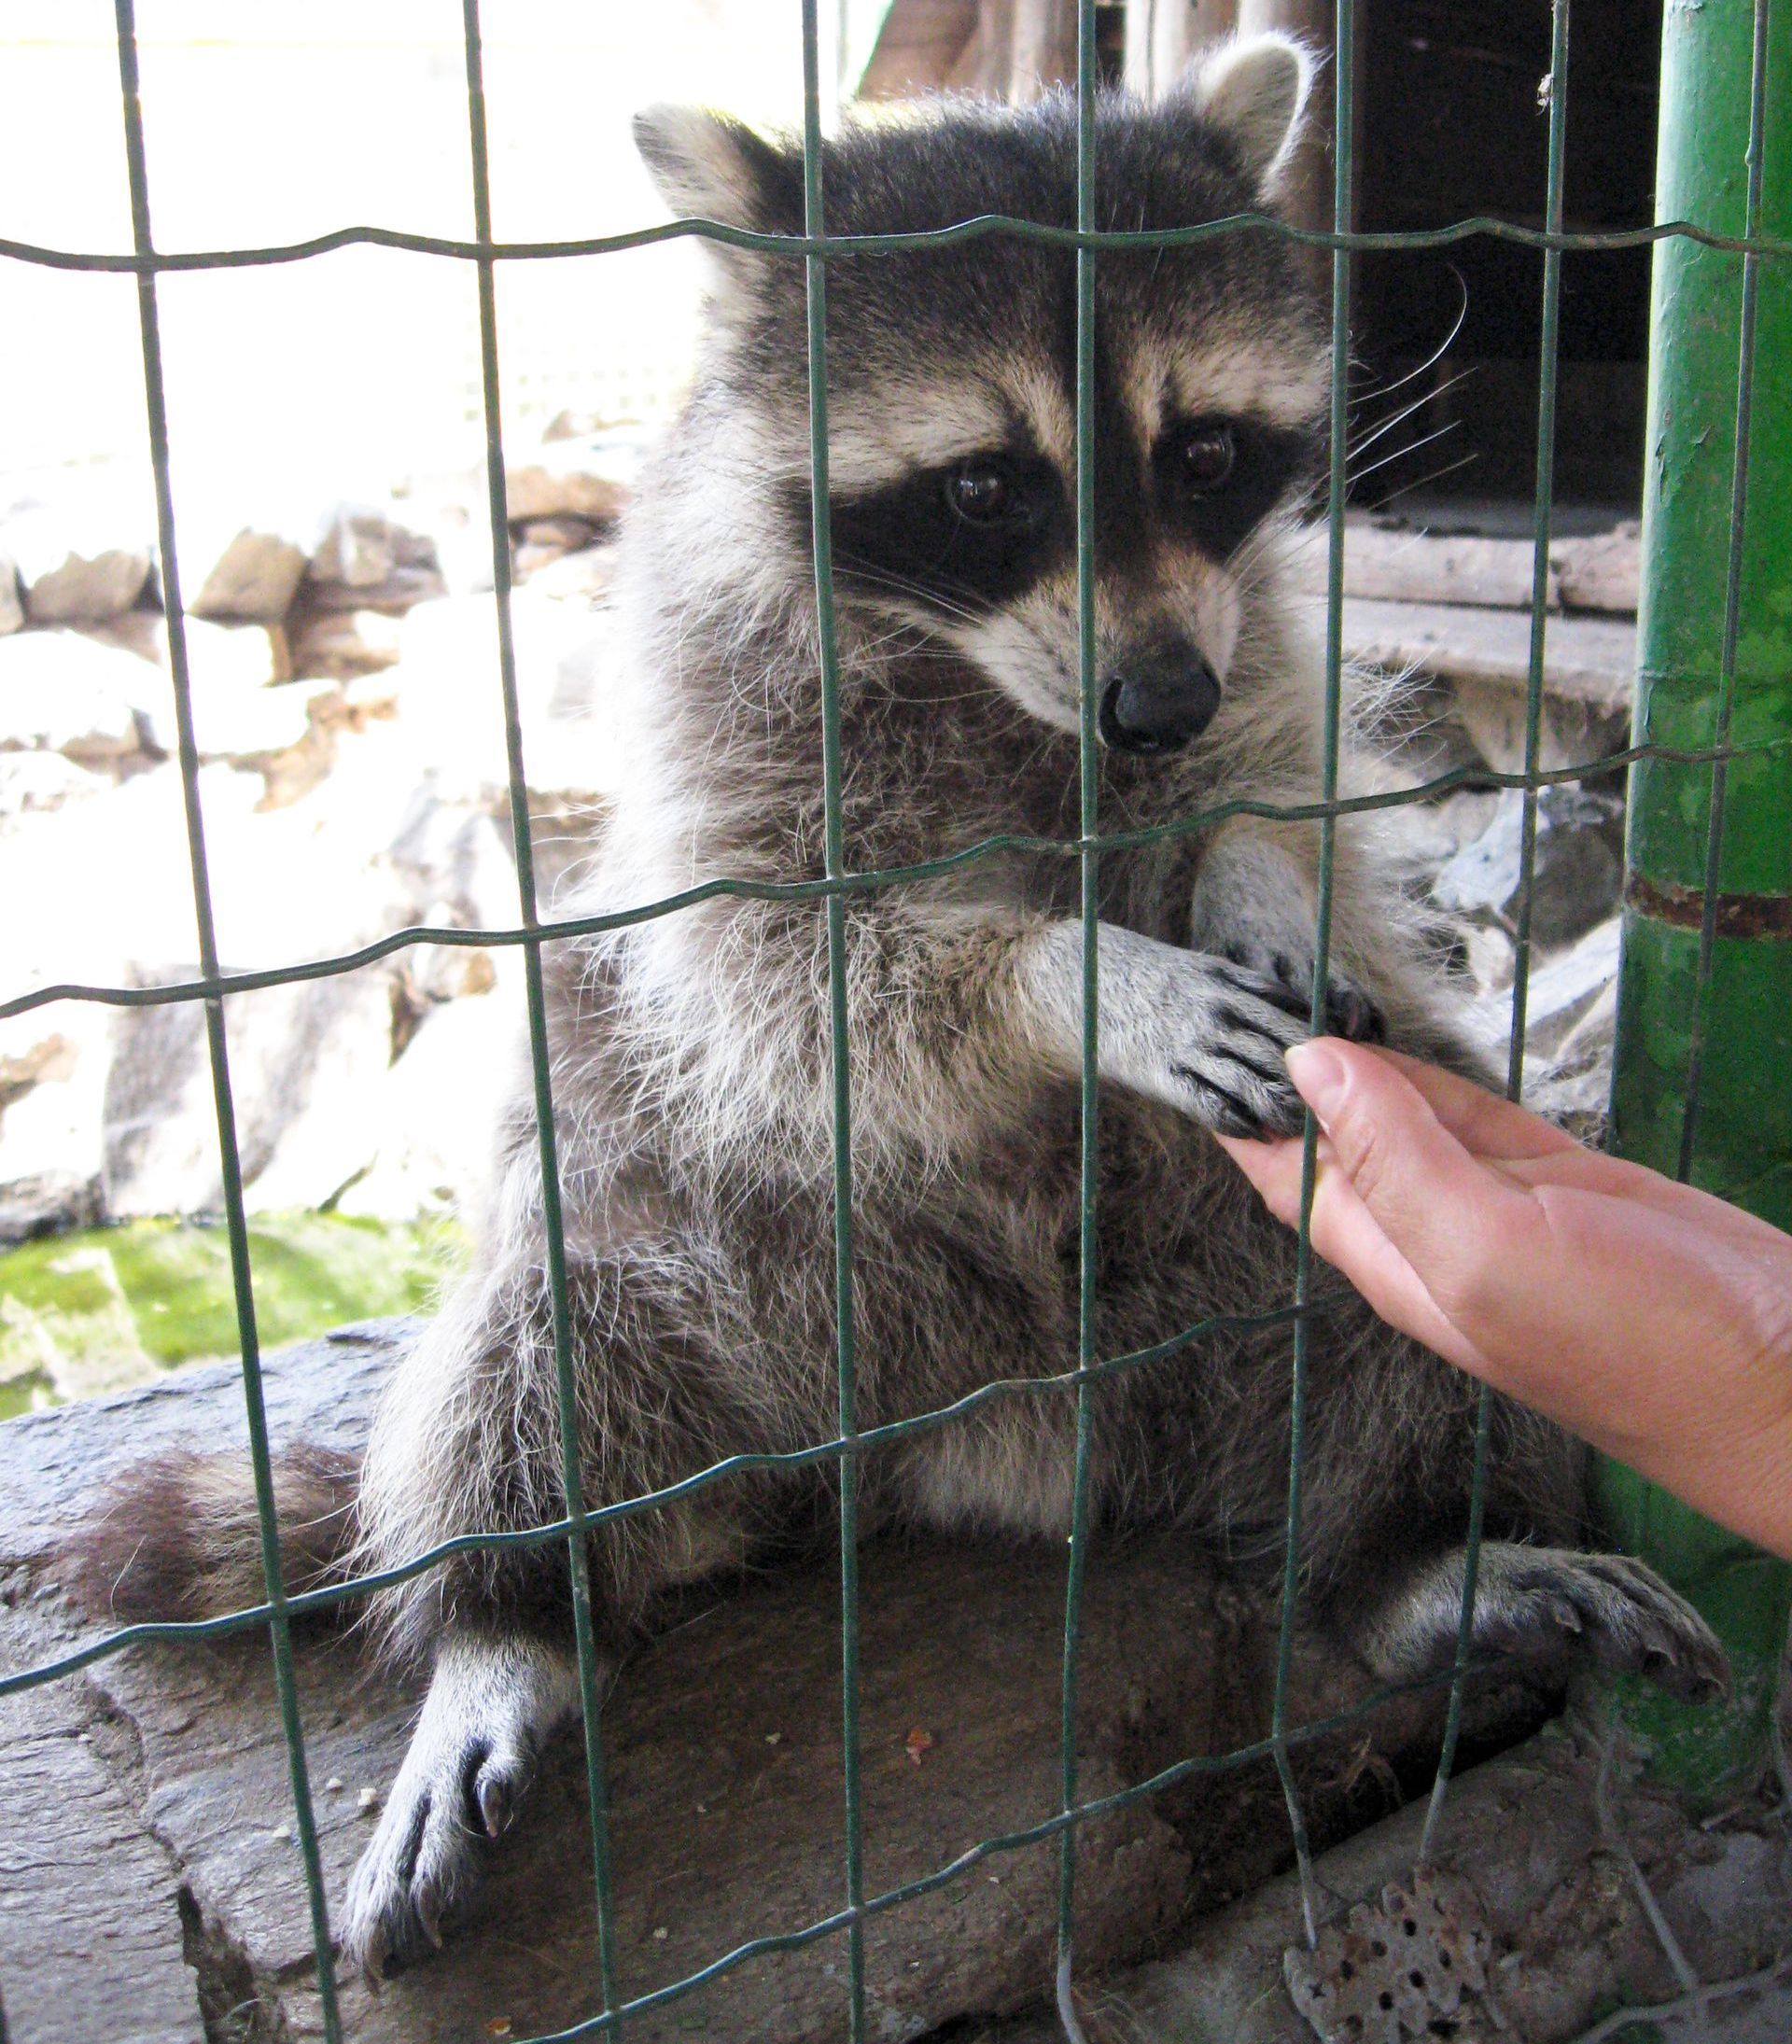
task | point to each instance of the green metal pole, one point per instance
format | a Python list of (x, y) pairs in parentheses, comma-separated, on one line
[(1702, 1080)]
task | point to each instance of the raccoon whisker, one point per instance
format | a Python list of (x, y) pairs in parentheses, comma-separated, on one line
[(1417, 404), (1400, 454), (1419, 483), (902, 586), (1437, 354), (956, 613)]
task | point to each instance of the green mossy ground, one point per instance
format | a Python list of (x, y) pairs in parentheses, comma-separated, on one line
[(108, 1307)]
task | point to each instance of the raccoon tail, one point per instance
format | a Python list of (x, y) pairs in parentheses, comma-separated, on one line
[(180, 1538)]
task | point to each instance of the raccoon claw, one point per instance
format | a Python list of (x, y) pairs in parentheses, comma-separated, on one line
[(1353, 1014), (502, 1783), (421, 1865), (1350, 1013), (1633, 1624), (1539, 1602), (469, 1765)]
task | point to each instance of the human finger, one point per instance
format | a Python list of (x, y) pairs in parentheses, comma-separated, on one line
[(1456, 1222), (1484, 1123), (1346, 1234)]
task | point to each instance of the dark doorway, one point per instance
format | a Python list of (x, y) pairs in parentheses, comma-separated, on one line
[(1451, 126)]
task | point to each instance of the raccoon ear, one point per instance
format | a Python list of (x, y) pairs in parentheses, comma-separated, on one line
[(706, 164), (1254, 89)]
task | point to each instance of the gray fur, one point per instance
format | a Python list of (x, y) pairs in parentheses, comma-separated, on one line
[(690, 1058)]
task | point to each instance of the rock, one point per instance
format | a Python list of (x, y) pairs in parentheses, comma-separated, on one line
[(1533, 1843), (564, 535), (29, 1051), (50, 1179), (1490, 955), (457, 862), (1564, 989), (435, 972), (569, 423), (246, 657), (12, 608), (1570, 732), (452, 509), (94, 886), (1563, 993), (52, 1079), (1576, 874), (307, 1064), (238, 723), (343, 645), (62, 692), (240, 714), (449, 694), (542, 542), (582, 577), (394, 594), (33, 783), (77, 565), (439, 1113), (246, 575), (591, 479), (1575, 1086), (367, 559)]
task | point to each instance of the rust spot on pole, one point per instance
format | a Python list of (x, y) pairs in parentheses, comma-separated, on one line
[(1738, 914)]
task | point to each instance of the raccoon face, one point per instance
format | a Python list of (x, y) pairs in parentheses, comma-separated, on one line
[(951, 375)]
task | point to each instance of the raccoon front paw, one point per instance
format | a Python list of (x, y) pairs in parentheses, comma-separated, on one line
[(1227, 1061), (1350, 1010)]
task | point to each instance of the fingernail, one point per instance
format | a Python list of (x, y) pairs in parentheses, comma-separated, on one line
[(1319, 1077)]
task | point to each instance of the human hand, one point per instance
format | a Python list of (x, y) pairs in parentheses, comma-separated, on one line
[(1651, 1318)]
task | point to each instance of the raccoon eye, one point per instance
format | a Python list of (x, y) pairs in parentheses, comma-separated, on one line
[(984, 493), (1205, 459)]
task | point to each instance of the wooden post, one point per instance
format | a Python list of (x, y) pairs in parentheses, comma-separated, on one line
[(1307, 183), (1011, 49), (1163, 35), (1021, 48)]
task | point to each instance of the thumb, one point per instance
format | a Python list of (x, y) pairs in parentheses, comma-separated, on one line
[(1441, 1208)]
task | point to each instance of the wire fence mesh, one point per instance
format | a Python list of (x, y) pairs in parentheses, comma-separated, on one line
[(213, 987)]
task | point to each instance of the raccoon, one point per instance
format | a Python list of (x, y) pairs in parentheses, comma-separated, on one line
[(691, 1051)]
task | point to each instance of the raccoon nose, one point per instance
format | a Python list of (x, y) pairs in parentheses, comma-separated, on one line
[(1160, 706)]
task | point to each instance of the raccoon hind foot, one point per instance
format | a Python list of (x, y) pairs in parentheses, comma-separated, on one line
[(491, 1706), (1542, 1602)]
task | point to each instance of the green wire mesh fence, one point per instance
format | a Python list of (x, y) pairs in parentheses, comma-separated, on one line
[(213, 987)]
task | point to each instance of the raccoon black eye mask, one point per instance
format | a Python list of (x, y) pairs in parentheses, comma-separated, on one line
[(979, 532)]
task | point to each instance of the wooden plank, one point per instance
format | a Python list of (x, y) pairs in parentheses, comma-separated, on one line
[(918, 47), (1587, 659), (1418, 567), (1597, 573), (1163, 35), (1600, 573), (1021, 50)]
